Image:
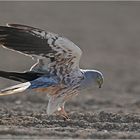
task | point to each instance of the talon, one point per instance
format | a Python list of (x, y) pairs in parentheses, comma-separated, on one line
[(65, 117), (63, 113)]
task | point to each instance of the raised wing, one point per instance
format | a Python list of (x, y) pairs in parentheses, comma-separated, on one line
[(63, 54)]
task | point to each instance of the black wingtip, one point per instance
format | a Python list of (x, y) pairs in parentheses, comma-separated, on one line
[(21, 77)]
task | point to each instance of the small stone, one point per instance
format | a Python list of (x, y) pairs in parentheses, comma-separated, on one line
[(18, 102)]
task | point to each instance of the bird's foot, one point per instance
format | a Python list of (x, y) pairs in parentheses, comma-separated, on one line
[(61, 111)]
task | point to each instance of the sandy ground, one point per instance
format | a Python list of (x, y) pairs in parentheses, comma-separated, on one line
[(109, 35)]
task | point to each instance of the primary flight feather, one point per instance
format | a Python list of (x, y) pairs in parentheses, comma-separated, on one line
[(56, 71)]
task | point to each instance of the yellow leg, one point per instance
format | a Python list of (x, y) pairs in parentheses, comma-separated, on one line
[(63, 113)]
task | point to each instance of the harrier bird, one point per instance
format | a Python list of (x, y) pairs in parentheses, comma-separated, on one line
[(56, 71)]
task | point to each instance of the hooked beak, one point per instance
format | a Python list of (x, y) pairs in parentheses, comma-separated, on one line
[(100, 82)]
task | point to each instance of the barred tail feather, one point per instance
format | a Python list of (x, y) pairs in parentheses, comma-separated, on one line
[(15, 89)]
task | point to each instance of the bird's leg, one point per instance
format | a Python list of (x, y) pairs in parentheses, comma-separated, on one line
[(61, 111)]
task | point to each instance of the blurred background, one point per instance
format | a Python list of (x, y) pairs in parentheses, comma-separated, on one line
[(107, 32)]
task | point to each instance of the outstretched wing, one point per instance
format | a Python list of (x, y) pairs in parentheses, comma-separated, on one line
[(54, 53)]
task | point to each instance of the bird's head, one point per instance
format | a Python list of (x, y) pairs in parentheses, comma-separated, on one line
[(92, 78)]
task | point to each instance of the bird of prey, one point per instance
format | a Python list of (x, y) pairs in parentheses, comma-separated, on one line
[(56, 71)]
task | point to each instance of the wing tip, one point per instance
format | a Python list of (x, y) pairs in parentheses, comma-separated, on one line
[(21, 26)]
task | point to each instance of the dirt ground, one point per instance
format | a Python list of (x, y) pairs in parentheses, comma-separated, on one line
[(109, 35)]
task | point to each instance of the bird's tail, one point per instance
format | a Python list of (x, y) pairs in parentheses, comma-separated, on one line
[(15, 89)]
